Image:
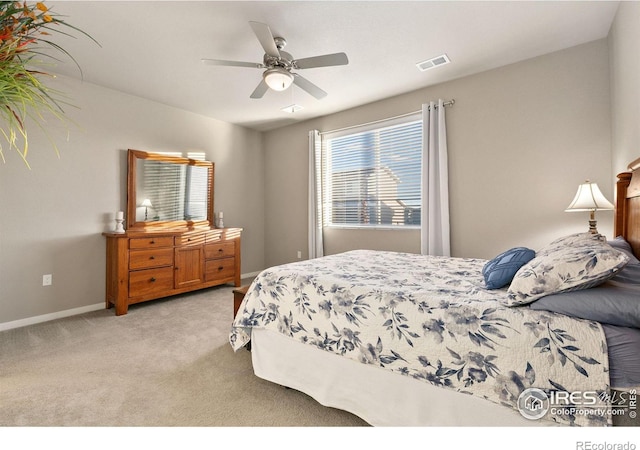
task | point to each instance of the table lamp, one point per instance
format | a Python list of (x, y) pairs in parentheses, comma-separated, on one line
[(589, 198), (146, 203)]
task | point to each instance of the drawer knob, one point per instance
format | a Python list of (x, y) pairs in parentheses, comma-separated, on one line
[(153, 279), (220, 250), (152, 257), (220, 268), (152, 242)]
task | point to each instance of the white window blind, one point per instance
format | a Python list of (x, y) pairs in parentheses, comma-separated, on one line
[(196, 193), (164, 187), (371, 175), (176, 191)]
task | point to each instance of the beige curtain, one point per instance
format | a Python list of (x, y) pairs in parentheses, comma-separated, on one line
[(434, 217)]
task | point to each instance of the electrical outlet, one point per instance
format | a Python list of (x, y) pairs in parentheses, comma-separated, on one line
[(299, 254), (47, 280)]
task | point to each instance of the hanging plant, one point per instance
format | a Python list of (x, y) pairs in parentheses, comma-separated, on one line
[(25, 31)]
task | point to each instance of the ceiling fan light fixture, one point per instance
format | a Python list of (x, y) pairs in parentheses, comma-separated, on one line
[(277, 78)]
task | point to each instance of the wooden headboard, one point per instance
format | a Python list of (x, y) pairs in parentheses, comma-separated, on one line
[(627, 217)]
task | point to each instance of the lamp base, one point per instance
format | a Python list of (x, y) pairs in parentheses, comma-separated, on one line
[(594, 231), (592, 223)]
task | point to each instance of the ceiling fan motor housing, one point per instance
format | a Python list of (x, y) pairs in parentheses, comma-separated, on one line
[(279, 64), (285, 60)]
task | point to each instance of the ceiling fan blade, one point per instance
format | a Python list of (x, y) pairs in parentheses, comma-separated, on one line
[(222, 62), (263, 33), (308, 86), (334, 59), (260, 90)]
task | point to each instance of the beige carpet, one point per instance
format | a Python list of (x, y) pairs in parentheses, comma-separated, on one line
[(166, 363)]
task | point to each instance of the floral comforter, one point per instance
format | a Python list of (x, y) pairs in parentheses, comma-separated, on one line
[(430, 318)]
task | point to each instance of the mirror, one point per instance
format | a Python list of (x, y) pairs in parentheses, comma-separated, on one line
[(168, 191)]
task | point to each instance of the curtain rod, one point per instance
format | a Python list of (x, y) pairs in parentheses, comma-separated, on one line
[(447, 103)]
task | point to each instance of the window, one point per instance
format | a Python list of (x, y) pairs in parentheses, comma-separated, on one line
[(370, 177)]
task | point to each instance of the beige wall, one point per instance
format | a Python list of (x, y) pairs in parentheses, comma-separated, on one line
[(52, 217), (624, 48), (521, 138)]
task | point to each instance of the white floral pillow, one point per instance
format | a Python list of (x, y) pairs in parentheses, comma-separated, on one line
[(566, 268), (569, 241)]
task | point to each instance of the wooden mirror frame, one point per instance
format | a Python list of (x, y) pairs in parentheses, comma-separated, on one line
[(133, 157)]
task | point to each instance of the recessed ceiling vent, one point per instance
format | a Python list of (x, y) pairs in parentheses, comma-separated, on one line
[(292, 108), (433, 62)]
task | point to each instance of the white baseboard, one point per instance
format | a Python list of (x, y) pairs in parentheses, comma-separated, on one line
[(70, 312), (52, 316), (250, 275)]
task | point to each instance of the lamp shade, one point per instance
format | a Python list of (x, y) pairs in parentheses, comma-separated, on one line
[(589, 198), (146, 202), (278, 78)]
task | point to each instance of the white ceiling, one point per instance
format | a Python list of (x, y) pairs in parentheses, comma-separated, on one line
[(153, 49)]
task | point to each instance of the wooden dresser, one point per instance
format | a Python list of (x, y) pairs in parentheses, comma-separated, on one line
[(146, 265)]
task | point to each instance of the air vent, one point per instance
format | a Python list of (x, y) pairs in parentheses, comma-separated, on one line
[(292, 108), (433, 62)]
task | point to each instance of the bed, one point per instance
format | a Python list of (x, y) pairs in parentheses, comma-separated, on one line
[(398, 339)]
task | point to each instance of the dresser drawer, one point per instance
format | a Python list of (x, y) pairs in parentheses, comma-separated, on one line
[(215, 236), (150, 242), (219, 269), (189, 239), (146, 259), (150, 281), (220, 250)]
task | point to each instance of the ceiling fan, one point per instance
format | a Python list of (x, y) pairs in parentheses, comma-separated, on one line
[(279, 64)]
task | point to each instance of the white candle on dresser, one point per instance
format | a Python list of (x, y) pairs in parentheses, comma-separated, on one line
[(120, 215)]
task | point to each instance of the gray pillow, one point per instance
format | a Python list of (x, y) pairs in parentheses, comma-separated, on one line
[(621, 244), (615, 302)]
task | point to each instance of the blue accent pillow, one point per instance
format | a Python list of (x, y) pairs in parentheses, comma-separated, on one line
[(500, 270)]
